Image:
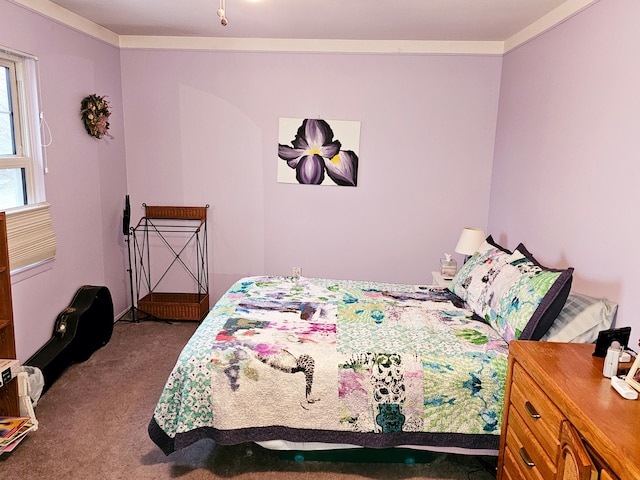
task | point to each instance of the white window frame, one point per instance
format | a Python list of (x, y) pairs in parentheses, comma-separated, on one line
[(22, 110), (30, 234), (13, 66)]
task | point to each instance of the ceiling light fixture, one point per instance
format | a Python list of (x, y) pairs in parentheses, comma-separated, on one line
[(221, 13)]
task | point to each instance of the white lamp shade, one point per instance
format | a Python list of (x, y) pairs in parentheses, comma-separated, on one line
[(470, 239)]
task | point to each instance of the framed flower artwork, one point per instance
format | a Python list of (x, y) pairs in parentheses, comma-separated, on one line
[(318, 152)]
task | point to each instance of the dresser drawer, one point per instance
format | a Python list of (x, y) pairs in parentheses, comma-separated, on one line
[(607, 475), (514, 468), (507, 474), (536, 409), (526, 448)]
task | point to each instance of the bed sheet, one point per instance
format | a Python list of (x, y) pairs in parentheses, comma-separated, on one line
[(336, 361)]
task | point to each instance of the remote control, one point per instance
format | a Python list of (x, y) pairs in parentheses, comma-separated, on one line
[(623, 388)]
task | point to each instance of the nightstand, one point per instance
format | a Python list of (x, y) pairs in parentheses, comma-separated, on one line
[(562, 419), (438, 280)]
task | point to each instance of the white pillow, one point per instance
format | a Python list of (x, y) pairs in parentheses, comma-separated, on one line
[(580, 320)]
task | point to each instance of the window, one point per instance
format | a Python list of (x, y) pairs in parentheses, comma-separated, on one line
[(29, 231), (16, 170)]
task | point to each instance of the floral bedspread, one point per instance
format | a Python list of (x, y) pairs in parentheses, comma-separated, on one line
[(335, 361)]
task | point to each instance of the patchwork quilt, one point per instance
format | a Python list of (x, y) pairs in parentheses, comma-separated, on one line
[(335, 361)]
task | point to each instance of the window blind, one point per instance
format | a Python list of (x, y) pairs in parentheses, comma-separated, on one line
[(30, 236)]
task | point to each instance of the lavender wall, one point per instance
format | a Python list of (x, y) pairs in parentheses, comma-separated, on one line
[(202, 128), (87, 178), (566, 162)]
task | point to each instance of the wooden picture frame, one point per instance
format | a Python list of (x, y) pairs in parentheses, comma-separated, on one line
[(633, 377)]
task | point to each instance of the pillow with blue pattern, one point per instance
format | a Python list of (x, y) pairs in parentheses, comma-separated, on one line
[(470, 281), (522, 298)]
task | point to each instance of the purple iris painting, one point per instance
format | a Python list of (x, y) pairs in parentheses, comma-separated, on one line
[(316, 156)]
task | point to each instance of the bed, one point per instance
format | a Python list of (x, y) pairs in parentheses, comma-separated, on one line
[(324, 363)]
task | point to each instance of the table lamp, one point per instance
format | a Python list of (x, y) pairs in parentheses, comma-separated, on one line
[(470, 239)]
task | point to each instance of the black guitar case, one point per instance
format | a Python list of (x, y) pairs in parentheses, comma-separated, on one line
[(80, 329)]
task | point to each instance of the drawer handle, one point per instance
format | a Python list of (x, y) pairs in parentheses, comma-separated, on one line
[(526, 459), (533, 413)]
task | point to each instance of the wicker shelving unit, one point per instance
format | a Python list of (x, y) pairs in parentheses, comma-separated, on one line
[(183, 231)]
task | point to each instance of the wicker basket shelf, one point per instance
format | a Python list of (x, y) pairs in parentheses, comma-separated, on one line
[(175, 306)]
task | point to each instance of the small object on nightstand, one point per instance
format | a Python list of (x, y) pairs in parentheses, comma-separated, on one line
[(448, 267)]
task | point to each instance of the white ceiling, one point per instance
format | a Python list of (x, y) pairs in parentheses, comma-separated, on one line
[(413, 20)]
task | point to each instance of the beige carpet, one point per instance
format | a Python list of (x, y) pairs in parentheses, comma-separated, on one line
[(93, 425)]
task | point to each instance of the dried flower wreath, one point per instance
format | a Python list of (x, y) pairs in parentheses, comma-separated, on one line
[(95, 115)]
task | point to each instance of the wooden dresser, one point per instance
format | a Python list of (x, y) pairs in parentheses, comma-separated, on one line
[(8, 393), (562, 419)]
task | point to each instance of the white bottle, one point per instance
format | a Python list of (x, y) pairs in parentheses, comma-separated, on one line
[(610, 368)]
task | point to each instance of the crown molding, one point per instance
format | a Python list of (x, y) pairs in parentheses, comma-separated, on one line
[(75, 21), (310, 45), (67, 17), (550, 20)]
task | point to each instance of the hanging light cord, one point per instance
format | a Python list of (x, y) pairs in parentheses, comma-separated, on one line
[(222, 14)]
